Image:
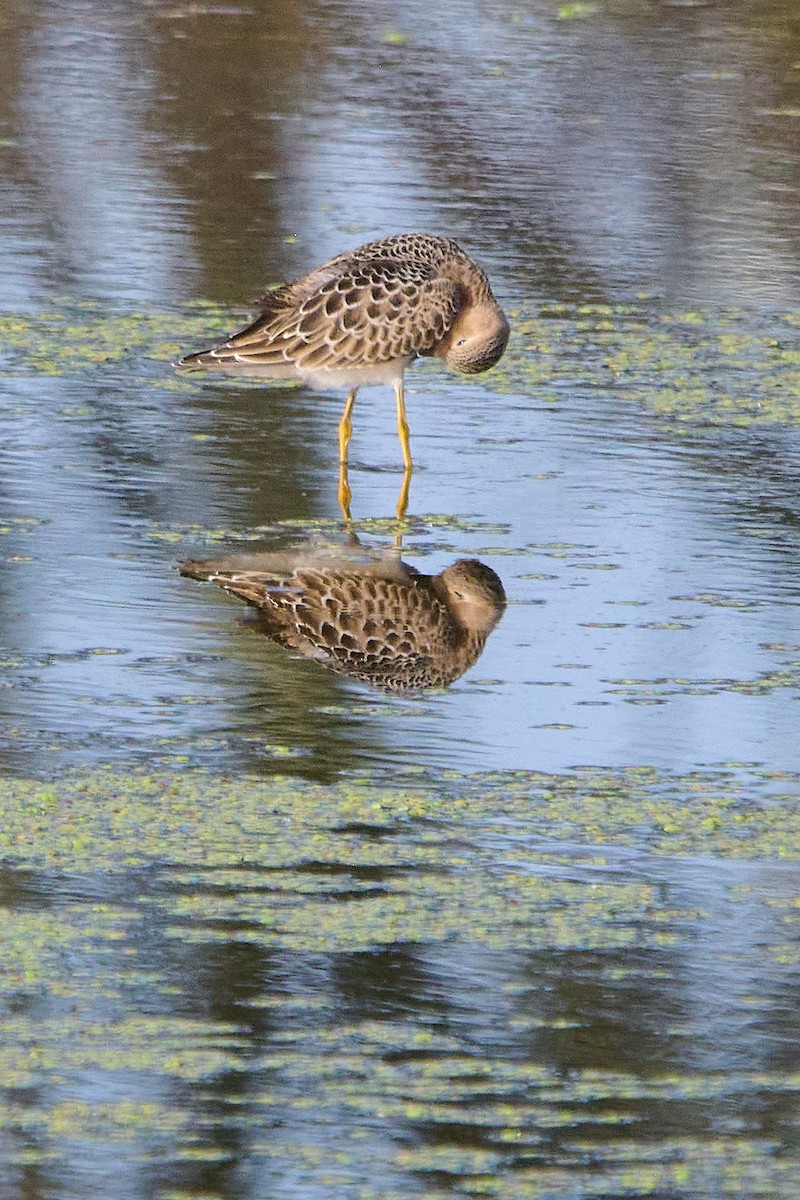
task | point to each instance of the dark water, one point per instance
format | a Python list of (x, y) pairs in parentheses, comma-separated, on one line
[(584, 983)]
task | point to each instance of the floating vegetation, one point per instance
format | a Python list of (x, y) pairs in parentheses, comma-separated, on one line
[(136, 896), (327, 530), (102, 821), (79, 338), (699, 367), (784, 675)]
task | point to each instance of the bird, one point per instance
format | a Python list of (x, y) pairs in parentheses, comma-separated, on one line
[(378, 620), (363, 317)]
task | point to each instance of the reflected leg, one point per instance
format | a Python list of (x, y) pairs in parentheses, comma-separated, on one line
[(402, 499), (344, 494)]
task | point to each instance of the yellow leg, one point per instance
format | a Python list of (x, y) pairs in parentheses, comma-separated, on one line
[(402, 425), (346, 426), (344, 495), (402, 499)]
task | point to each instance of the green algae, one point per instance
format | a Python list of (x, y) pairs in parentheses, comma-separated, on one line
[(284, 864), (493, 867), (103, 821), (79, 338), (784, 675), (327, 531), (729, 367), (182, 1049), (576, 11), (717, 368)]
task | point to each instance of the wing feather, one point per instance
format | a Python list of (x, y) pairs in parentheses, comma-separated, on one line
[(350, 313)]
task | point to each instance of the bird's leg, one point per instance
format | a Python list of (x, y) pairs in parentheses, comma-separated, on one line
[(346, 426), (402, 424), (402, 499), (344, 494)]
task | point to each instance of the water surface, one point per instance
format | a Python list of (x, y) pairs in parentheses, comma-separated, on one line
[(264, 930)]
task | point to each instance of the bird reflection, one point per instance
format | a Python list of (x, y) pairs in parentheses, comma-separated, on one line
[(369, 616)]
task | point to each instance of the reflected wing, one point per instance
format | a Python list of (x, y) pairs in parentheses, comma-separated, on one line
[(359, 315), (371, 622), (379, 630)]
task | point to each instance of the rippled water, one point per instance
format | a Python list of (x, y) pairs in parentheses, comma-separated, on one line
[(265, 930)]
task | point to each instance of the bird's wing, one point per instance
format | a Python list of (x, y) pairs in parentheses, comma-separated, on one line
[(359, 314)]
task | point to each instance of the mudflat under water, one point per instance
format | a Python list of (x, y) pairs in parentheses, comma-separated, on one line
[(265, 930)]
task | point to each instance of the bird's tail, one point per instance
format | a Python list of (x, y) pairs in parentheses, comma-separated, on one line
[(197, 361)]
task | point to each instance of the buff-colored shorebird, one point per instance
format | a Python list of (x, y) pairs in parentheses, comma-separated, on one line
[(377, 620), (363, 317)]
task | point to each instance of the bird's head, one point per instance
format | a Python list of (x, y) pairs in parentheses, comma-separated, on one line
[(477, 338)]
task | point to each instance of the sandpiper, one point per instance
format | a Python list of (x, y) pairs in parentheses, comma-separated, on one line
[(363, 317)]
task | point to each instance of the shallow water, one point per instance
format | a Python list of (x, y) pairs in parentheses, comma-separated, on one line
[(266, 930)]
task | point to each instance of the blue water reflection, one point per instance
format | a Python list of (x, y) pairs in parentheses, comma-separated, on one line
[(196, 1005)]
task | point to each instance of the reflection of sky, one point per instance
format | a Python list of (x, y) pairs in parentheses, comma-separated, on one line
[(114, 229), (374, 181), (665, 529), (623, 154), (607, 155), (610, 514), (593, 143)]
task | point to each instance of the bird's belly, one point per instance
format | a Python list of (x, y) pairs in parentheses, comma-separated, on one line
[(323, 378), (369, 374)]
